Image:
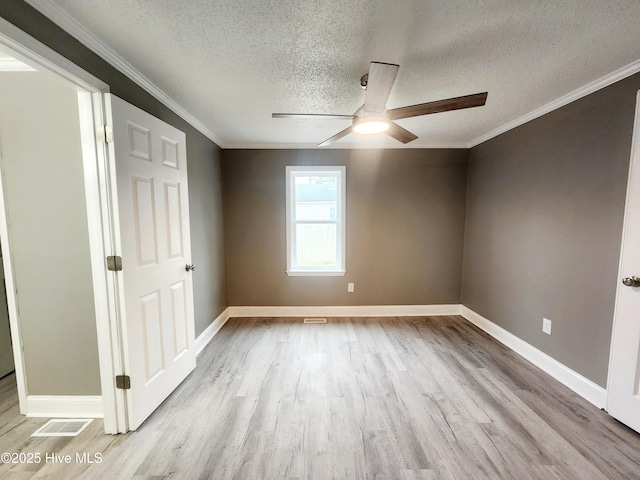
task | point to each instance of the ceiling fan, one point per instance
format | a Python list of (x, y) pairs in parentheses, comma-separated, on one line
[(373, 117)]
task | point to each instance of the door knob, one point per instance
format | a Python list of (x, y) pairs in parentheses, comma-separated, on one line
[(188, 268), (631, 281)]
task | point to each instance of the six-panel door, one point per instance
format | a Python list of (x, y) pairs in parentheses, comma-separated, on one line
[(153, 209)]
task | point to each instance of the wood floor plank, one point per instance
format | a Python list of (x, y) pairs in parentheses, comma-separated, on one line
[(8, 392), (347, 449), (610, 448), (547, 445), (287, 460), (10, 419), (380, 456), (416, 398), (420, 475), (316, 444), (255, 454), (117, 461), (507, 464)]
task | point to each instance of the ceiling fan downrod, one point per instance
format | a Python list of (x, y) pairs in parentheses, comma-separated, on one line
[(364, 80)]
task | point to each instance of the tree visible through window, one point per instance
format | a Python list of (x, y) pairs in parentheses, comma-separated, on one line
[(315, 220)]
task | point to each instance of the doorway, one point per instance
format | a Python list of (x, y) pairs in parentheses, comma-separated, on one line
[(87, 308), (102, 233), (48, 239)]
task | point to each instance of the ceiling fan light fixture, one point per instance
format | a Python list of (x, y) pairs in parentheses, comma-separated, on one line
[(371, 125), (373, 117)]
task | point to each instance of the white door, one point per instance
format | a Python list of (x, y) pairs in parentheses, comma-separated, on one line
[(153, 209), (623, 390)]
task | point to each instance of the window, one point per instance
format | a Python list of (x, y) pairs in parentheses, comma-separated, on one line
[(315, 220)]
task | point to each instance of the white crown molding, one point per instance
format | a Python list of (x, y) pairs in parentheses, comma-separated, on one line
[(345, 311), (56, 406), (583, 91), (27, 49), (78, 31), (582, 386)]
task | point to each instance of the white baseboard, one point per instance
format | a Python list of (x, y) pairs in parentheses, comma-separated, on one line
[(207, 335), (346, 311), (582, 386), (63, 406)]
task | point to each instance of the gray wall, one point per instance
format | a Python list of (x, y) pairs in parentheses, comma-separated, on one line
[(44, 187), (545, 206), (207, 232), (405, 220), (203, 155)]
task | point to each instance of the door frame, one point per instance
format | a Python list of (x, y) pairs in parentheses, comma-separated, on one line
[(634, 163), (99, 179)]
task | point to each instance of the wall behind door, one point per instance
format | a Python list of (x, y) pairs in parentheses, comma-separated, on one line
[(43, 177)]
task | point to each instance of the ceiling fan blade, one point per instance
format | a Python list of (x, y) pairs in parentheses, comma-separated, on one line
[(400, 134), (311, 115), (379, 84), (336, 137), (468, 101)]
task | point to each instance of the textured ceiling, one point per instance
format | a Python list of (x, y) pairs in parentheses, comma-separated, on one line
[(231, 63)]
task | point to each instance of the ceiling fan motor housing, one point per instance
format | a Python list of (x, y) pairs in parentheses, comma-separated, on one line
[(371, 122)]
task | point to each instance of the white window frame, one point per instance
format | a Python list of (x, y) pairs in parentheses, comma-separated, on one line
[(333, 270)]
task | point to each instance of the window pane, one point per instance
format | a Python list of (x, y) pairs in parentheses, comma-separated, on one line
[(315, 220), (316, 197), (316, 245)]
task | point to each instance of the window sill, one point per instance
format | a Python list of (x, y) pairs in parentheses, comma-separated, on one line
[(316, 273)]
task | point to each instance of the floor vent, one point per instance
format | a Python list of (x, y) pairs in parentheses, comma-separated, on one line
[(62, 428), (315, 320)]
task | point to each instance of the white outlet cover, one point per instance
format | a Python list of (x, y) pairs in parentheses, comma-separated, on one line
[(546, 326), (350, 287)]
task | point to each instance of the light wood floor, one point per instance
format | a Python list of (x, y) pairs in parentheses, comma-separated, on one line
[(380, 398)]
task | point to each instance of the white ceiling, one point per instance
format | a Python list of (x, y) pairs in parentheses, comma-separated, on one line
[(231, 63)]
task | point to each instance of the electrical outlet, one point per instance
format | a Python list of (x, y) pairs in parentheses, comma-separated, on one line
[(546, 326), (350, 287)]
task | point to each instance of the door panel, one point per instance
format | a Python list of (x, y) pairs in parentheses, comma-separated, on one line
[(169, 153), (145, 223), (153, 209), (152, 340), (179, 318), (174, 219), (623, 399)]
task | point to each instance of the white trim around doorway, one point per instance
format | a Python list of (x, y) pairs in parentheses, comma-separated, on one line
[(99, 200)]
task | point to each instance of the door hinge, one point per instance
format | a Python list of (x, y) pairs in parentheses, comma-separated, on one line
[(123, 382), (114, 263), (104, 133)]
